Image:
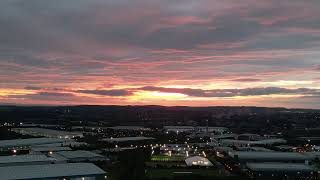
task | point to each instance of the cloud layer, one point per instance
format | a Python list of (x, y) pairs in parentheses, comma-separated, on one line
[(150, 52)]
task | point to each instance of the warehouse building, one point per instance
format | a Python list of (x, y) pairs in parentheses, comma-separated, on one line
[(78, 156), (289, 157), (48, 149), (126, 139), (130, 128), (21, 160), (71, 171), (281, 170), (50, 133), (27, 143), (244, 143), (177, 129)]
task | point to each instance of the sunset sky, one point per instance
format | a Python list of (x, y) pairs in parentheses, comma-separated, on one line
[(161, 52)]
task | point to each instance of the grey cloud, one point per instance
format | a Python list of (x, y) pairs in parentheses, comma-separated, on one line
[(51, 96), (32, 88), (55, 94), (246, 80), (114, 92), (232, 92)]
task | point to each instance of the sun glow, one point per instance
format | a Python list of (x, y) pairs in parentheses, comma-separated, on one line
[(12, 92), (148, 95)]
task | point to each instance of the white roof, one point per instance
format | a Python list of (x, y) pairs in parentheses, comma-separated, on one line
[(198, 161), (276, 156), (78, 154), (123, 139), (49, 171), (24, 158), (30, 141), (279, 167)]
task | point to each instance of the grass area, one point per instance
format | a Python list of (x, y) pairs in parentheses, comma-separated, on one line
[(165, 164), (154, 174), (164, 158)]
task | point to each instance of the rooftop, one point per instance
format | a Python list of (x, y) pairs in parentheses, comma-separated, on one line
[(49, 171), (50, 132), (256, 155), (52, 148), (30, 141), (198, 161), (123, 139), (259, 142), (279, 167), (24, 159), (136, 128), (78, 154)]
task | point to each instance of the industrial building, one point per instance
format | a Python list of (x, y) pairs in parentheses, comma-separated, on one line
[(50, 133), (72, 171), (126, 139), (78, 156), (246, 156), (48, 149), (244, 143), (198, 161), (130, 128), (27, 143), (19, 160), (281, 170), (216, 130)]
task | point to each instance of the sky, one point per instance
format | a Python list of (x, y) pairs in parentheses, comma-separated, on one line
[(160, 52)]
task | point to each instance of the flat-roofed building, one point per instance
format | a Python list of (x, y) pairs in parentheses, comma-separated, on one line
[(48, 133), (78, 156), (73, 171), (177, 129), (20, 160), (243, 143), (27, 143), (262, 149), (314, 155), (281, 169), (255, 156), (126, 139), (48, 149), (130, 128)]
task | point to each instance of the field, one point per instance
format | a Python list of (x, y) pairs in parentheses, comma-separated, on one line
[(164, 158)]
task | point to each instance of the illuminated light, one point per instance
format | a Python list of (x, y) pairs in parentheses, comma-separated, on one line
[(204, 154), (14, 151), (50, 152)]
